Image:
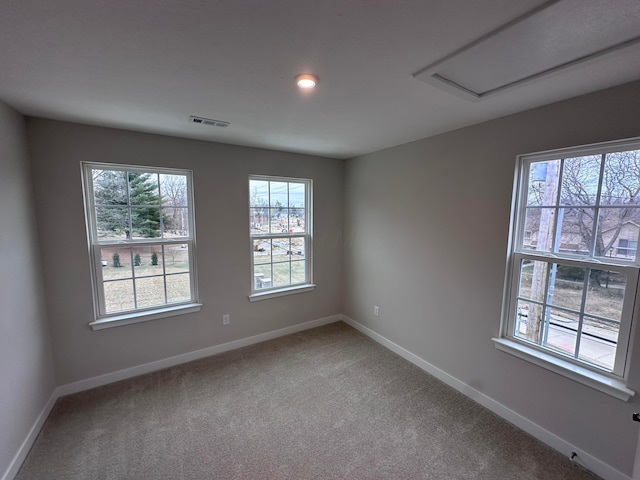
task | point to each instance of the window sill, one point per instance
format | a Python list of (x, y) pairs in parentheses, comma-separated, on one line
[(137, 317), (280, 292), (602, 382)]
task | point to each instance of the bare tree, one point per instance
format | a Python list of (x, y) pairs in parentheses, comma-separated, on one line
[(174, 193)]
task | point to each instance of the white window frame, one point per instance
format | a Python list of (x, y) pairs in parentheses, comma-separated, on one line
[(611, 382), (102, 319), (307, 285)]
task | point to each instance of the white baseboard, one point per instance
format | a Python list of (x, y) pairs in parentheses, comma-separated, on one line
[(565, 448), (107, 378), (189, 357), (588, 461), (18, 458)]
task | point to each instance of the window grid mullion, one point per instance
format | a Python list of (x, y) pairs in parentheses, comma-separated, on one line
[(133, 278), (585, 288), (555, 245), (129, 212), (596, 210), (545, 310)]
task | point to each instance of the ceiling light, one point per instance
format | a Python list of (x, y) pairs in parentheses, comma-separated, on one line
[(306, 81)]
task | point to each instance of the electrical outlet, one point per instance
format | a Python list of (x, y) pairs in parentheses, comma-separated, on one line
[(376, 310), (226, 319)]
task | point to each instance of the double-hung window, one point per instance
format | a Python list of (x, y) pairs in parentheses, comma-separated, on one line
[(280, 229), (573, 265), (140, 226)]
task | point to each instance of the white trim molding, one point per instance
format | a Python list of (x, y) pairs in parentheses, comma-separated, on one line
[(111, 377), (34, 431), (118, 375), (565, 448), (603, 383)]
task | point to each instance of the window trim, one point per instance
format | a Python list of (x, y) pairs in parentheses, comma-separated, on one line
[(308, 285), (102, 319), (614, 384)]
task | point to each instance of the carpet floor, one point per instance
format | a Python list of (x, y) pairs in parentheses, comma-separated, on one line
[(327, 403)]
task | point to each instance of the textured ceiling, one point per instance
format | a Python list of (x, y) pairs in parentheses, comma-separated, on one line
[(147, 66)]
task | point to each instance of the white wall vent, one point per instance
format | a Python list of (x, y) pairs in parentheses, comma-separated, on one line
[(208, 121)]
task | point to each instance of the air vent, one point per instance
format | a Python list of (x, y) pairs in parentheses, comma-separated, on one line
[(208, 121)]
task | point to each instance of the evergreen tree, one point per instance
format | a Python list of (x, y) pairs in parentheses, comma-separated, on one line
[(111, 191), (116, 260)]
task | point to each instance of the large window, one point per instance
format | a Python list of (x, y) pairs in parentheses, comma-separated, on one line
[(141, 239), (280, 226), (573, 268)]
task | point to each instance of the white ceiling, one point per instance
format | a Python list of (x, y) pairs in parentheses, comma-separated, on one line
[(149, 65)]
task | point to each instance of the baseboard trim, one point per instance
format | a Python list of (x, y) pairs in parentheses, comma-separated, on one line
[(107, 378), (587, 460), (23, 451), (111, 377)]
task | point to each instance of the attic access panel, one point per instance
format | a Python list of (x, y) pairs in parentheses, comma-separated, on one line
[(558, 35)]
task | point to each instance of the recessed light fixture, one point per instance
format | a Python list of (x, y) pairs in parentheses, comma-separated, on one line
[(306, 81)]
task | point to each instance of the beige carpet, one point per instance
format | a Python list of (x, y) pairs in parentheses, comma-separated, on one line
[(327, 403)]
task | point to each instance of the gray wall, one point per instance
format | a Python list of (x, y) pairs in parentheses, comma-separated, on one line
[(426, 226), (221, 207), (26, 365)]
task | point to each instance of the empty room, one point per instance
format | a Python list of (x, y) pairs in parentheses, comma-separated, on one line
[(348, 239)]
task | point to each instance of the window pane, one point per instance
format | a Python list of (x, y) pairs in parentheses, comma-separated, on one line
[(618, 224), (146, 222), (280, 247), (116, 263), (298, 272), (599, 342), (562, 331), (262, 276), (296, 195), (258, 193), (297, 220), (566, 286), (109, 187), (528, 321), (261, 251), (112, 223), (279, 220), (143, 189), (297, 248), (626, 249), (178, 288), (176, 222), (150, 291), (543, 183), (580, 180), (539, 221), (533, 279), (174, 190), (147, 260), (176, 258), (259, 220), (576, 230), (279, 197), (605, 296), (281, 274), (118, 296), (621, 181)]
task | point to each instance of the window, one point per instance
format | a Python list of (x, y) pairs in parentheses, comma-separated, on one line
[(572, 279), (627, 248), (141, 240), (280, 230)]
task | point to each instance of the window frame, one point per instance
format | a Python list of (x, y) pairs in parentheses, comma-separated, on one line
[(302, 287), (611, 382), (102, 319)]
